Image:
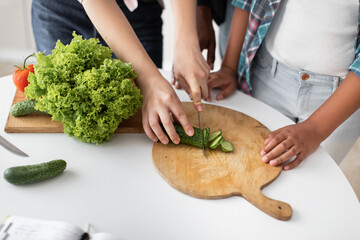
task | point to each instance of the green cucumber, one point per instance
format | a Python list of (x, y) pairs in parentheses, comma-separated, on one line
[(214, 135), (226, 146), (195, 140), (34, 173), (206, 134), (24, 108), (216, 142)]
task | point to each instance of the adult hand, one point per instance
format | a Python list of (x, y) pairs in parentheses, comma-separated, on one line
[(191, 71), (225, 79), (160, 104), (295, 142), (206, 33)]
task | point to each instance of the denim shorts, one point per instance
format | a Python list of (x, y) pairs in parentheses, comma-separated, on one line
[(297, 94), (57, 19)]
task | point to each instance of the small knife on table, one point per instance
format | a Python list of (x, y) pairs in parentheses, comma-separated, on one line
[(203, 145), (9, 146)]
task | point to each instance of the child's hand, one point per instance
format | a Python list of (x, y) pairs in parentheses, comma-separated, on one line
[(297, 140), (226, 80)]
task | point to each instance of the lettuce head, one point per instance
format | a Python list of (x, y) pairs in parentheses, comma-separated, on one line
[(81, 85)]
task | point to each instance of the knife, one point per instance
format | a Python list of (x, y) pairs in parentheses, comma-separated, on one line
[(9, 146), (202, 139)]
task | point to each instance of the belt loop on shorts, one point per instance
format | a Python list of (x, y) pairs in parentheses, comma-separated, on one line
[(273, 67), (336, 82)]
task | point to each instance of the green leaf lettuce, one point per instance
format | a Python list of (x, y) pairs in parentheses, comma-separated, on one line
[(80, 85)]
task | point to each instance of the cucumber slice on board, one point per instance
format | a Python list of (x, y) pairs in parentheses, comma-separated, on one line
[(206, 132), (214, 135), (216, 142), (226, 146)]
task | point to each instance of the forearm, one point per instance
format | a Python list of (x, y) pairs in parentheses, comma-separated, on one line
[(340, 106), (117, 32), (184, 12), (236, 39)]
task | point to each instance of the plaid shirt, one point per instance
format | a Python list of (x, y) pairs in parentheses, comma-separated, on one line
[(262, 13)]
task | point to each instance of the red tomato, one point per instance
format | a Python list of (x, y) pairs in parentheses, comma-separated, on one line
[(20, 75)]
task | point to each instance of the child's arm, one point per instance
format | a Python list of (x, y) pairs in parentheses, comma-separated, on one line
[(190, 68), (160, 98), (226, 77), (304, 138)]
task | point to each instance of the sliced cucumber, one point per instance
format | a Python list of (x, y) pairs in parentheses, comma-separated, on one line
[(216, 142), (206, 133), (226, 146), (211, 140), (214, 135)]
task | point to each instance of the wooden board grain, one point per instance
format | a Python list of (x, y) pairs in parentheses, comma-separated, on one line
[(40, 123), (219, 174)]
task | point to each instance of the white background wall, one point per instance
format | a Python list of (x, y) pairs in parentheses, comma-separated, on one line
[(16, 41)]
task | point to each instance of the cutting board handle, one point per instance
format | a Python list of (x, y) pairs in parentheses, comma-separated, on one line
[(274, 208)]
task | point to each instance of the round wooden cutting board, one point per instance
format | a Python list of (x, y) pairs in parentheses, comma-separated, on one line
[(218, 174)]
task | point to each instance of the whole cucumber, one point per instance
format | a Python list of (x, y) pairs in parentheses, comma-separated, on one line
[(34, 173), (24, 108)]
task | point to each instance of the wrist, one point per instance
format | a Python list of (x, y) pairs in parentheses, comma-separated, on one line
[(229, 70), (318, 127), (186, 44), (147, 83)]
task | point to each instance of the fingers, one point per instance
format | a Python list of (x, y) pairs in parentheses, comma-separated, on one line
[(226, 91), (154, 131), (273, 140), (283, 157), (156, 128), (148, 131), (192, 72), (177, 85), (182, 83), (280, 149), (181, 117), (227, 86), (290, 145), (152, 128), (299, 158), (214, 82), (197, 93), (169, 127), (157, 117), (276, 146)]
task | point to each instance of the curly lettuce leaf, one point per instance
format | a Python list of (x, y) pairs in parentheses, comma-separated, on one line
[(80, 85)]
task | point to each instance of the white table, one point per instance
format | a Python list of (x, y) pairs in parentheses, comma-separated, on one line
[(115, 187)]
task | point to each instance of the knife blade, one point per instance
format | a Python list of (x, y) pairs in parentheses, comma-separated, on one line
[(9, 146), (202, 139)]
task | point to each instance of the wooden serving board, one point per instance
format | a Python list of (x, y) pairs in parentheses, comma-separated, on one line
[(40, 123), (219, 174)]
